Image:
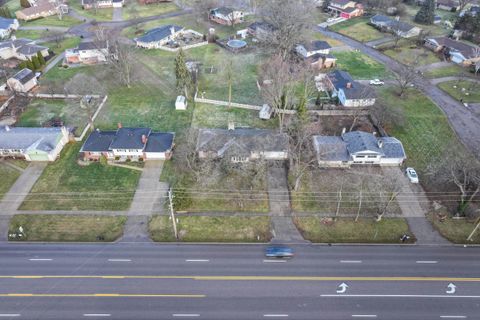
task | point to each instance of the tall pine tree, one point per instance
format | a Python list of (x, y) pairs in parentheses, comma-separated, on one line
[(30, 65), (36, 63), (41, 59), (184, 78), (426, 14)]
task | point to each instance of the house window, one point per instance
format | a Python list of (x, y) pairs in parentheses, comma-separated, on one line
[(372, 156), (239, 159), (360, 156)]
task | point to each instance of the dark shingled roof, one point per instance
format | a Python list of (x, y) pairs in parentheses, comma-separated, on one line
[(359, 141), (24, 75), (6, 23), (158, 34), (223, 10), (392, 23), (130, 138), (359, 91), (160, 142), (340, 78), (99, 141), (331, 148), (316, 45), (340, 2), (465, 49), (92, 45)]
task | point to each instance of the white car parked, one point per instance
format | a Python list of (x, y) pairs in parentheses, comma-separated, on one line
[(412, 175), (377, 82)]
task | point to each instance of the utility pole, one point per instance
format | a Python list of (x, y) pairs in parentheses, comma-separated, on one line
[(172, 214)]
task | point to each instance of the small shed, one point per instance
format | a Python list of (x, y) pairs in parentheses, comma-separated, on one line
[(242, 33), (266, 112), (181, 103)]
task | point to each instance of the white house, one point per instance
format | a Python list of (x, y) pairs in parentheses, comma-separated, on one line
[(181, 103), (400, 28), (358, 148), (226, 16), (7, 26), (158, 37), (311, 48), (100, 4), (32, 144), (23, 81), (88, 53), (21, 49)]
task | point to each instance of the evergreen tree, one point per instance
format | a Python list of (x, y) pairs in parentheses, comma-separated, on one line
[(24, 4), (36, 63), (30, 65), (182, 74), (426, 14), (41, 59), (23, 65), (5, 12)]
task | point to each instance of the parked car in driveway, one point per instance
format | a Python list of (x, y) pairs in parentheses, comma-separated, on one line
[(377, 82), (279, 252), (412, 175)]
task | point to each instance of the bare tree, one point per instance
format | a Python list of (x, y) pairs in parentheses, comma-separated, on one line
[(387, 115), (55, 36), (388, 189), (121, 58), (463, 3), (290, 20), (405, 76), (201, 9), (228, 73), (361, 188)]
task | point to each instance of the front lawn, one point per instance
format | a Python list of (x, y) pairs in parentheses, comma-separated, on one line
[(63, 228), (344, 230), (412, 55), (60, 47), (9, 176), (32, 34), (456, 230), (212, 229), (133, 9), (359, 65), (54, 21), (358, 29), (105, 14), (466, 91), (451, 70), (65, 185)]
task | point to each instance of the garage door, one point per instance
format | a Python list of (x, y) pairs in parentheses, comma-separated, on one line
[(38, 157)]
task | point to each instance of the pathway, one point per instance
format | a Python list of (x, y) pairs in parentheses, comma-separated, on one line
[(377, 42), (463, 121), (453, 78), (117, 14), (280, 208), (410, 200), (51, 64), (42, 28)]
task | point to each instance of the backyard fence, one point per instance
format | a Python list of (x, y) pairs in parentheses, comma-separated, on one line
[(5, 105), (84, 132), (59, 96), (226, 104)]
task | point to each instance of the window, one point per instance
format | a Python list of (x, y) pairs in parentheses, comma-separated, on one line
[(239, 159), (360, 156), (372, 156)]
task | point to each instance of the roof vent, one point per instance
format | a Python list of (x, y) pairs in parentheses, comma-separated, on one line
[(380, 143), (7, 128)]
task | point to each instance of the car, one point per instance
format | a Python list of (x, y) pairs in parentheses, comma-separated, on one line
[(412, 175), (377, 82), (279, 252)]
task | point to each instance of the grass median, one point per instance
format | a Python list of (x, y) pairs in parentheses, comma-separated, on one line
[(211, 229), (66, 228), (456, 230)]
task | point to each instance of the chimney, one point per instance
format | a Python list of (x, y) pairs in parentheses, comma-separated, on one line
[(119, 125), (172, 30), (231, 125), (344, 130), (380, 143), (7, 128), (349, 85), (144, 139)]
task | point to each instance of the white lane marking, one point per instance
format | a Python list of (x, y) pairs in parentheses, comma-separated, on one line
[(119, 260), (350, 261), (33, 259), (426, 261), (10, 314), (274, 261), (395, 296), (96, 314), (275, 315), (364, 315), (186, 315), (197, 260), (453, 317)]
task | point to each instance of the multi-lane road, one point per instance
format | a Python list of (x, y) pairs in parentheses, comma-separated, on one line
[(148, 281)]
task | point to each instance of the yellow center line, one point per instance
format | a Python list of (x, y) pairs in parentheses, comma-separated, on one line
[(101, 295), (250, 278)]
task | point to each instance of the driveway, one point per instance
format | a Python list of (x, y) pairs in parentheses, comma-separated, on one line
[(464, 122), (453, 78), (53, 63), (117, 14)]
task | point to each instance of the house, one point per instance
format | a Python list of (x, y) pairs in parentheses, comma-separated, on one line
[(23, 81), (88, 53), (181, 103), (101, 4), (128, 144), (400, 28), (152, 1), (7, 26), (32, 144), (242, 145), (226, 16), (449, 5), (42, 9), (350, 93), (261, 30), (313, 47), (358, 148), (456, 51), (21, 49), (158, 37), (322, 61), (345, 8)]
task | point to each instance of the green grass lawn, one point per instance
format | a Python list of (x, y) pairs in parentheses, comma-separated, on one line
[(40, 111), (32, 34), (456, 230), (412, 55), (359, 65), (53, 21), (358, 29), (64, 185), (63, 228), (210, 116), (212, 229), (14, 5), (100, 14), (133, 9), (426, 132), (325, 230), (60, 47), (451, 70), (9, 176), (471, 94)]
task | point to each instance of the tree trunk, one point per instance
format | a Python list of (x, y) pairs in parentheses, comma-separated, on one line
[(474, 230), (359, 205)]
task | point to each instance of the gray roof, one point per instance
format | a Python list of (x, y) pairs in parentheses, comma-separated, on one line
[(223, 10), (130, 138), (318, 56), (316, 45), (221, 141), (391, 23), (158, 34), (160, 142), (24, 75), (43, 139), (265, 26), (359, 141), (380, 18), (340, 78), (392, 148), (465, 49), (92, 45), (331, 148), (6, 23), (23, 46), (99, 141), (359, 91)]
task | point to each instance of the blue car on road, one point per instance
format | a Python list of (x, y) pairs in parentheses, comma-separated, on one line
[(279, 252)]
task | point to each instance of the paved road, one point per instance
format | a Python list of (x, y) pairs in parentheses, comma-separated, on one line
[(464, 121), (148, 281)]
